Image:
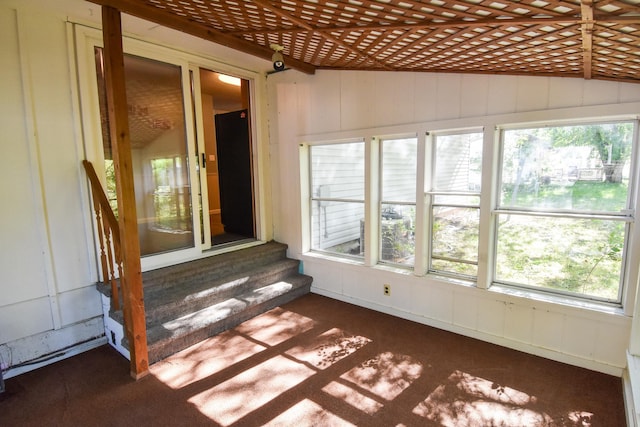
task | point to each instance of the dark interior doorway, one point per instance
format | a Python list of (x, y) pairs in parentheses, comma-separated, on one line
[(234, 173), (228, 154)]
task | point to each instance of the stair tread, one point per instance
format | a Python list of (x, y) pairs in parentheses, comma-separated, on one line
[(176, 301), (214, 313), (215, 267), (230, 260), (192, 288)]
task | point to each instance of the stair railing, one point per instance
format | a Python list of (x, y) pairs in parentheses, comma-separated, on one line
[(108, 236)]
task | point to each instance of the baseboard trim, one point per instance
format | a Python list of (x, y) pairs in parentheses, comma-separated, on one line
[(592, 365), (55, 357), (631, 382)]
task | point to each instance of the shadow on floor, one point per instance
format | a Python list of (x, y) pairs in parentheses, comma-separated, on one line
[(319, 362)]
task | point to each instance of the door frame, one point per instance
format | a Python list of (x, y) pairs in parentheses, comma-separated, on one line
[(259, 146), (86, 39)]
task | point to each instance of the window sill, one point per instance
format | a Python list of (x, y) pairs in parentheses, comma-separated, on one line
[(566, 301), (396, 269), (524, 294), (334, 258)]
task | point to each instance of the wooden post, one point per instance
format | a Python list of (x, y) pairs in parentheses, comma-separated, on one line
[(586, 7), (132, 293)]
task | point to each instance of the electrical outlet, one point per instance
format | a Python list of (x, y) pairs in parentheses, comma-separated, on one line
[(387, 290)]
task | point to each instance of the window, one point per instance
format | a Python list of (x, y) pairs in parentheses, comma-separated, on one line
[(112, 194), (560, 208), (337, 198), (171, 197), (564, 208), (160, 146), (455, 203), (398, 200)]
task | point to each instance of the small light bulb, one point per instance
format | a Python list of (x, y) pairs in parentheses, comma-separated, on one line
[(229, 79)]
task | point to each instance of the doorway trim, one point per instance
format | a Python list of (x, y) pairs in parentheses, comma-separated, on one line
[(88, 37)]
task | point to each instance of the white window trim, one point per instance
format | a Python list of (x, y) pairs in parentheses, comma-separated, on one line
[(308, 197), (628, 275), (429, 197), (601, 113), (378, 254)]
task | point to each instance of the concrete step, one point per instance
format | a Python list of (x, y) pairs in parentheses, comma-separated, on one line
[(171, 336), (214, 267), (186, 295), (192, 301)]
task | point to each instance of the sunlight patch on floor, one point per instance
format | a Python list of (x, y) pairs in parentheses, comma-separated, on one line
[(352, 397), (249, 373), (385, 375), (308, 413), (473, 401), (275, 326), (204, 359), (328, 348), (231, 400)]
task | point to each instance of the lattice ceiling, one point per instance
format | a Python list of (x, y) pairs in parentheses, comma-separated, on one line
[(597, 39)]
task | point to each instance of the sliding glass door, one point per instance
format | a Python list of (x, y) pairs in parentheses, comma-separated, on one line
[(187, 194), (160, 152)]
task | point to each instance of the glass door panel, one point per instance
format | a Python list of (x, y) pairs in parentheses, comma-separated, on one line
[(159, 152)]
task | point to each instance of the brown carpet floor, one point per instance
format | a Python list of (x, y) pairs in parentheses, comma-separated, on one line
[(318, 362)]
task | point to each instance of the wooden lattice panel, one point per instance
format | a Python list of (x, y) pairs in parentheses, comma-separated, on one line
[(616, 7), (225, 16), (616, 51), (595, 39), (530, 48)]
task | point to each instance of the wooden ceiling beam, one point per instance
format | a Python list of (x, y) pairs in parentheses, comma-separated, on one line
[(616, 19), (586, 7), (461, 24), (202, 31)]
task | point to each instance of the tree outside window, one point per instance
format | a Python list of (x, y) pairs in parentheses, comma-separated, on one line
[(564, 208)]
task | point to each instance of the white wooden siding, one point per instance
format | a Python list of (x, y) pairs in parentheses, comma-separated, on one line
[(351, 104), (399, 160), (337, 173), (47, 280)]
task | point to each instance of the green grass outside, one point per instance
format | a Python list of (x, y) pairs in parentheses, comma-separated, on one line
[(579, 256)]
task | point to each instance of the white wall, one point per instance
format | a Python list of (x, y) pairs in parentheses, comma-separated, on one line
[(346, 104), (49, 307), (48, 301)]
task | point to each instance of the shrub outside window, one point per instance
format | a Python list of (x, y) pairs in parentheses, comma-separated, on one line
[(398, 200), (564, 208), (337, 198), (455, 203)]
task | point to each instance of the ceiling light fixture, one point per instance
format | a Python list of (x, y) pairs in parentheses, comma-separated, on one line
[(229, 79)]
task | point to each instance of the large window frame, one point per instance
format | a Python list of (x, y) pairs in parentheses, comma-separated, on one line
[(563, 218), (447, 197), (397, 208), (328, 198), (488, 207)]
